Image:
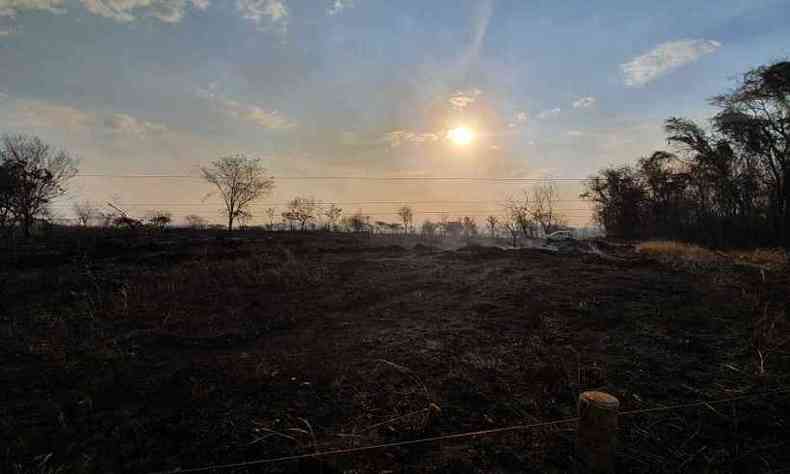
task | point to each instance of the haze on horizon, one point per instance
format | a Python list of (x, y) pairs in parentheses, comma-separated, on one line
[(486, 88)]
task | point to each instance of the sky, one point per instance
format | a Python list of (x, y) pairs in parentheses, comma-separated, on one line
[(368, 88)]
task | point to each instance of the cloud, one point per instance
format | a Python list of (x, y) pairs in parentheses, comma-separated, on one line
[(270, 119), (339, 5), (664, 58), (123, 123), (397, 138), (11, 7), (462, 99), (584, 102), (274, 11), (549, 113), (168, 11), (40, 114)]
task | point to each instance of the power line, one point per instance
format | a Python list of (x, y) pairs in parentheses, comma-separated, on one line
[(344, 203), (338, 178)]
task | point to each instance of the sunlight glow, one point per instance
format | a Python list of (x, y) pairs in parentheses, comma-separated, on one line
[(461, 136)]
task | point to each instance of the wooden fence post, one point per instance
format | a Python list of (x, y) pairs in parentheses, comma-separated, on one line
[(596, 434)]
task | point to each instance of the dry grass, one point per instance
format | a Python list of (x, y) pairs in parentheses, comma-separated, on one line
[(676, 249), (764, 258)]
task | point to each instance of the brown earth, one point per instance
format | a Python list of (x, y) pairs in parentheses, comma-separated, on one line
[(124, 353)]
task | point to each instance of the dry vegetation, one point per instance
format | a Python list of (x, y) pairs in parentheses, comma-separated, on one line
[(138, 354)]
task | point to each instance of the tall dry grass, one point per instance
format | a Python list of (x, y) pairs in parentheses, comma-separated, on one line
[(764, 258)]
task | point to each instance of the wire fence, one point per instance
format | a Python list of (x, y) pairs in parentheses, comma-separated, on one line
[(469, 434)]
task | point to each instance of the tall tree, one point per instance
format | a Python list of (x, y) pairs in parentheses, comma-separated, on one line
[(240, 181), (33, 175), (755, 118)]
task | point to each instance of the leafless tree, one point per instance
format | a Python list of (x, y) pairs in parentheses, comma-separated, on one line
[(492, 222), (543, 208), (195, 221), (358, 222), (519, 216), (271, 213), (34, 174), (86, 212), (159, 218), (406, 215), (332, 214), (513, 229), (470, 227), (302, 210), (240, 181)]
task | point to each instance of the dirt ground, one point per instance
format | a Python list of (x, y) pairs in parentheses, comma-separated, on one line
[(131, 353)]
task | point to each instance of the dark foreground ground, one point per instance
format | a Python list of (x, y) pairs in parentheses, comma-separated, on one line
[(139, 354)]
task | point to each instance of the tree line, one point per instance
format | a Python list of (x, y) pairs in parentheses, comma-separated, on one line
[(727, 184)]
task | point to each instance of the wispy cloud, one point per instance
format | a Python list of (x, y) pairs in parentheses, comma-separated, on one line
[(584, 102), (124, 123), (549, 113), (41, 114), (664, 58), (262, 117), (462, 99), (275, 12), (168, 11), (520, 119), (339, 5), (397, 138), (11, 7)]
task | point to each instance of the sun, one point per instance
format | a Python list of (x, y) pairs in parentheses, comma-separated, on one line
[(461, 136)]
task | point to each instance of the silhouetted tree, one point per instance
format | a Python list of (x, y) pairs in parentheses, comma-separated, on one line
[(159, 218), (406, 215), (33, 175), (470, 227), (240, 181), (492, 222), (85, 212), (333, 215), (195, 221), (755, 120), (301, 210)]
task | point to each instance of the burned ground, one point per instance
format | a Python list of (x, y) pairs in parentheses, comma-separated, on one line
[(139, 354)]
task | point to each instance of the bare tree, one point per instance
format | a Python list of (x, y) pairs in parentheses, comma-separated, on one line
[(333, 214), (406, 215), (35, 174), (492, 222), (159, 218), (271, 213), (470, 227), (302, 210), (518, 215), (195, 221), (358, 222), (543, 209), (513, 229), (86, 212), (240, 181)]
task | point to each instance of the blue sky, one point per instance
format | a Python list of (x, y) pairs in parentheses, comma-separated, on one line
[(367, 87)]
